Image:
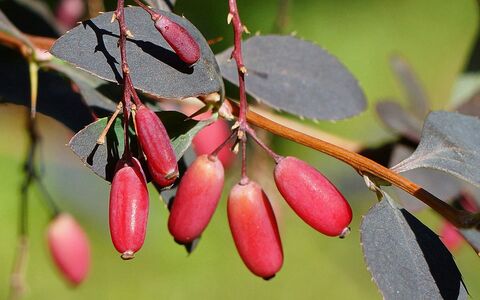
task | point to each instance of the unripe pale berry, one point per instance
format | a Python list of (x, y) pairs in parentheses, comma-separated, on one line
[(128, 207), (179, 39), (156, 145), (69, 248), (450, 236), (196, 199), (312, 196), (254, 229)]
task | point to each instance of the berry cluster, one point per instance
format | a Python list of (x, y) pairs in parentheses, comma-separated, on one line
[(250, 215)]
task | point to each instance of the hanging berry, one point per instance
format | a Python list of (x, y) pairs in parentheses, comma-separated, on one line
[(254, 229), (196, 198), (128, 207), (312, 196), (69, 248), (156, 145)]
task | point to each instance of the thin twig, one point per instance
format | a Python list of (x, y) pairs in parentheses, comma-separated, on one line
[(269, 151), (238, 29)]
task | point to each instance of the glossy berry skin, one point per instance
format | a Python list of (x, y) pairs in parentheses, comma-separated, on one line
[(254, 229), (128, 208), (312, 196), (156, 145), (179, 39), (196, 199), (69, 247)]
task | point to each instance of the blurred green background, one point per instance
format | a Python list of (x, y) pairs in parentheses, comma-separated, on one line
[(435, 36)]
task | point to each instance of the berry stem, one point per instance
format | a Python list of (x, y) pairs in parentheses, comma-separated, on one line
[(222, 145), (238, 29), (364, 166), (270, 152), (155, 16)]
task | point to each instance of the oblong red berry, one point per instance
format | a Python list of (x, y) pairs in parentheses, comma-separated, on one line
[(153, 137), (179, 39), (196, 199), (312, 196), (254, 229), (69, 248), (128, 211)]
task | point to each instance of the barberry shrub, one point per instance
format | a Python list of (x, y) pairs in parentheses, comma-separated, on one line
[(150, 57)]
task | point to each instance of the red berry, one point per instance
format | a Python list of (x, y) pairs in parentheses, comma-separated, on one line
[(212, 136), (196, 200), (69, 248), (156, 145), (179, 39), (450, 236), (128, 207), (312, 196), (254, 229)]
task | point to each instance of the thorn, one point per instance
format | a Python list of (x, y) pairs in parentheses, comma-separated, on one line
[(243, 69), (229, 18), (235, 148), (79, 23), (212, 98), (114, 17), (245, 29), (101, 12), (129, 5), (129, 34), (235, 126)]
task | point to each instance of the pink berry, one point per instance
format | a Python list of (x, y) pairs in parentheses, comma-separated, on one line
[(254, 229), (450, 236), (69, 12), (156, 145), (196, 200), (179, 39), (312, 196), (128, 207), (69, 248)]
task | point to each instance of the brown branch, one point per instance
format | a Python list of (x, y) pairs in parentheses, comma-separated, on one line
[(364, 166)]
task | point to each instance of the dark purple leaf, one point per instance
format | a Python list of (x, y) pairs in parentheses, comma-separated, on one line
[(400, 121), (297, 77), (154, 67), (442, 185), (450, 143), (406, 259), (415, 93)]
